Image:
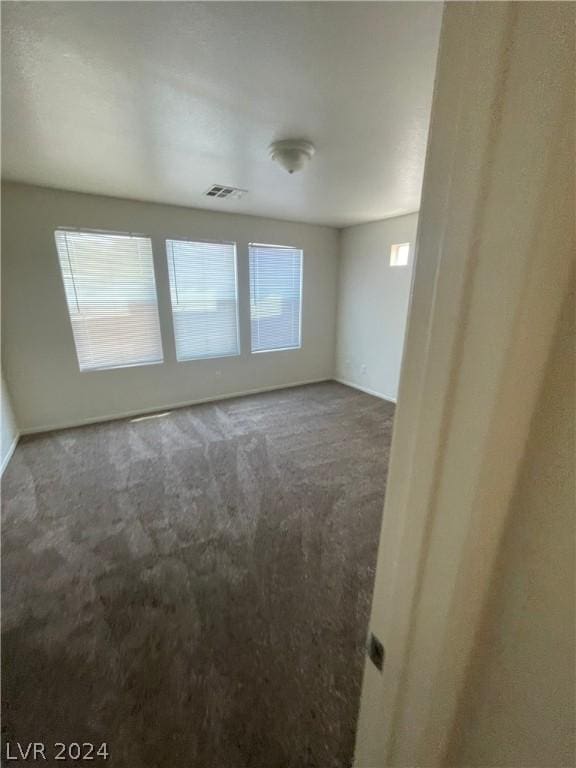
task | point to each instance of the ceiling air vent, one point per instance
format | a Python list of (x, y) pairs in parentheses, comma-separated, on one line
[(219, 190)]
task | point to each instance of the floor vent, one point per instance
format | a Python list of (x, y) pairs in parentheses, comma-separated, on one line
[(219, 190)]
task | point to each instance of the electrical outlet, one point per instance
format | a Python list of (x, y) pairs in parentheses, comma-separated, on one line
[(363, 369), (376, 652)]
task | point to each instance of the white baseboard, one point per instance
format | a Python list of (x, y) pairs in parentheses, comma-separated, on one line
[(166, 407), (9, 454), (368, 391)]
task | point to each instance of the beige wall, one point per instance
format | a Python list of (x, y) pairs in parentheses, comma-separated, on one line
[(518, 709), (8, 428), (38, 350), (373, 304)]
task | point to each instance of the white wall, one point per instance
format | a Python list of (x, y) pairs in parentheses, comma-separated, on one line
[(8, 428), (373, 305), (39, 356), (519, 703)]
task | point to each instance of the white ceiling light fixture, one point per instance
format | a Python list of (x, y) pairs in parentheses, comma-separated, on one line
[(292, 154)]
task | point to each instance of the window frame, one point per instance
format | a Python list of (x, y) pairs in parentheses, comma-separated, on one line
[(190, 239), (113, 233), (395, 250), (301, 296)]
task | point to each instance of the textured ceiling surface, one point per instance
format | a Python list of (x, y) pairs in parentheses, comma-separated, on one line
[(158, 101)]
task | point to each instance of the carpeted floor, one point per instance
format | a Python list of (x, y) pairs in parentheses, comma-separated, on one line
[(194, 590)]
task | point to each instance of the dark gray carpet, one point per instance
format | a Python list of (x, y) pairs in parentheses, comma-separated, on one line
[(194, 590)]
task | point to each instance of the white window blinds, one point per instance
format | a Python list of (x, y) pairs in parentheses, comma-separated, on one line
[(275, 297), (204, 298), (111, 295)]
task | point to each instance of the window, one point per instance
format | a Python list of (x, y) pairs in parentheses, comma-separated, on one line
[(275, 297), (204, 298), (399, 255), (111, 295)]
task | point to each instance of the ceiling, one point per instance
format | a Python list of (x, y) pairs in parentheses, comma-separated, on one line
[(158, 101)]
